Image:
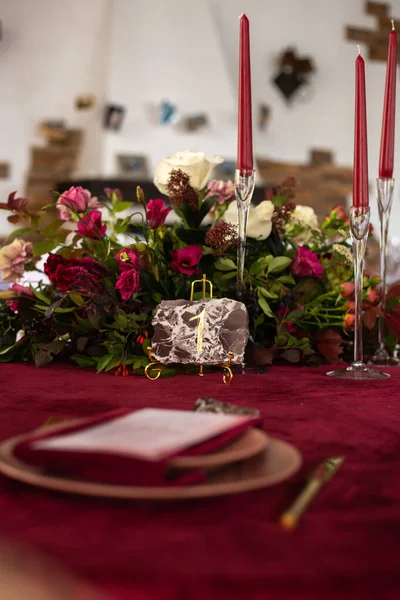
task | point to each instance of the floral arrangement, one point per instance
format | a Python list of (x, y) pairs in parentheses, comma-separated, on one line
[(105, 264)]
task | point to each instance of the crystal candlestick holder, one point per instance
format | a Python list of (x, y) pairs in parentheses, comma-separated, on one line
[(244, 188), (385, 199), (359, 225)]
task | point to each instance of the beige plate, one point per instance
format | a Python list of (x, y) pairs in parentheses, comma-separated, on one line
[(252, 442), (279, 461)]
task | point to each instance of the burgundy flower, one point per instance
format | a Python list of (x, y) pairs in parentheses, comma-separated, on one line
[(306, 264), (16, 204), (187, 259), (92, 226), (21, 290), (76, 200), (156, 212), (82, 274), (127, 259), (128, 283)]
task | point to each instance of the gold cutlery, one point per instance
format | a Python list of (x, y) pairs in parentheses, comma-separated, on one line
[(322, 474)]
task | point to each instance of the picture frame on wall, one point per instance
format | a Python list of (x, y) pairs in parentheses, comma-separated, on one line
[(133, 166)]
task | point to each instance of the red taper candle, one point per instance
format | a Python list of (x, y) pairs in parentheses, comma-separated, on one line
[(245, 129), (360, 167), (386, 158)]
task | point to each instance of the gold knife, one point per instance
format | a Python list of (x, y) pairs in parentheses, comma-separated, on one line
[(323, 473)]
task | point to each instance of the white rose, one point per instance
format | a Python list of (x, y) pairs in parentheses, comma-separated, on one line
[(304, 216), (259, 224), (195, 164)]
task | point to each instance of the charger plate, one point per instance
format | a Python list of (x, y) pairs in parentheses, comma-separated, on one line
[(276, 463), (251, 442)]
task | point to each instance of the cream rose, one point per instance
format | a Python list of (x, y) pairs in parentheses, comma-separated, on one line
[(195, 164), (304, 216), (259, 224), (13, 259)]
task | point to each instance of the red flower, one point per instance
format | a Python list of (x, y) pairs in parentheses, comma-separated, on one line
[(127, 259), (340, 212), (156, 213), (187, 259), (22, 291), (306, 264), (91, 226), (82, 274), (349, 321), (128, 283), (347, 289)]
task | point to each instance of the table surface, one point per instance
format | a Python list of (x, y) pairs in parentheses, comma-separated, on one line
[(347, 546)]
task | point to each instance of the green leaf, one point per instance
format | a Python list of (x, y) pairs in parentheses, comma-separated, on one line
[(17, 233), (46, 206), (192, 236), (77, 299), (265, 307), (221, 283), (120, 206), (52, 228), (84, 361), (295, 314), (279, 263), (39, 294), (229, 275), (259, 321), (43, 247), (260, 264), (103, 362), (286, 279), (225, 264), (267, 294), (206, 206)]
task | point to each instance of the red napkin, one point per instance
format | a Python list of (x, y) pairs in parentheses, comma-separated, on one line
[(118, 468)]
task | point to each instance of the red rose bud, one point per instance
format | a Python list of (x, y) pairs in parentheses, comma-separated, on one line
[(351, 306), (140, 339), (374, 296), (339, 211), (347, 289), (349, 321)]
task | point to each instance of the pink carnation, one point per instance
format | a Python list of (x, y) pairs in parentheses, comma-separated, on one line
[(76, 200), (306, 264), (224, 190), (187, 259), (21, 290), (156, 212), (128, 283), (91, 225)]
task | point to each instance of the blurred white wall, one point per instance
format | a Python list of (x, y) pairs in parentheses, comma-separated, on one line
[(139, 52)]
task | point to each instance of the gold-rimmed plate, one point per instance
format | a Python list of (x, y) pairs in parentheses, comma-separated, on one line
[(276, 463)]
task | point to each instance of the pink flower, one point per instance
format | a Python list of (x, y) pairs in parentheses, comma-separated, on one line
[(224, 190), (113, 194), (76, 200), (128, 283), (127, 259), (187, 259), (306, 264), (156, 213), (13, 259), (21, 290), (91, 226)]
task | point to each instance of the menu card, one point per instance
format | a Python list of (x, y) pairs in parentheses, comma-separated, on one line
[(150, 434)]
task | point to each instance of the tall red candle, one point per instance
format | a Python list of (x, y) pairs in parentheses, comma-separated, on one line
[(386, 158), (360, 167), (245, 130)]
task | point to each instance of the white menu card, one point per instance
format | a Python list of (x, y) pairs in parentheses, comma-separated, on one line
[(150, 433)]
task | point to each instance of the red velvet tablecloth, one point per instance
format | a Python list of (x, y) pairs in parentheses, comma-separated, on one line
[(348, 543)]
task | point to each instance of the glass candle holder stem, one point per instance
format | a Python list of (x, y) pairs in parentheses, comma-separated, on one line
[(244, 188)]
